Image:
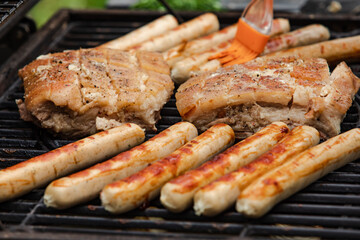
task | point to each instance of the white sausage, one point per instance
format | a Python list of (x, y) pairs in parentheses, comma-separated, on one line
[(87, 184), (131, 192), (199, 26), (35, 172), (206, 200), (303, 36), (199, 45), (280, 183), (187, 59), (177, 195), (182, 69), (279, 26), (144, 33), (205, 43), (208, 42), (210, 66), (333, 51)]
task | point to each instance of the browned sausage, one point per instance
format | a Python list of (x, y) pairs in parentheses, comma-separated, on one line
[(87, 184), (303, 36), (131, 192), (35, 172), (280, 183), (333, 51), (206, 200), (177, 195)]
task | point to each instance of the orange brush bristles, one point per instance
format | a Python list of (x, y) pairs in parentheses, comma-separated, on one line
[(247, 45)]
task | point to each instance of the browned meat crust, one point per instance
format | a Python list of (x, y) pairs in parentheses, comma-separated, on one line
[(65, 92), (252, 95)]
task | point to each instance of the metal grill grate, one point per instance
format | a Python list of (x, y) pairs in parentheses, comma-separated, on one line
[(329, 208), (11, 13), (7, 8)]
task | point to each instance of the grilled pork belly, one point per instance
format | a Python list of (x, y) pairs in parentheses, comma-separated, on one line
[(252, 95), (66, 92)]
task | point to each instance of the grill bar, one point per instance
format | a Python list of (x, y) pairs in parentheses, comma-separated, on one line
[(329, 208), (317, 209), (12, 218), (11, 12), (326, 198), (327, 233), (119, 234), (334, 187)]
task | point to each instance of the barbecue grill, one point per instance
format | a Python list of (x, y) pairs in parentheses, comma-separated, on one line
[(328, 208), (11, 12)]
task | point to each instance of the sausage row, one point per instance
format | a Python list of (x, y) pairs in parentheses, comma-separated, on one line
[(183, 168)]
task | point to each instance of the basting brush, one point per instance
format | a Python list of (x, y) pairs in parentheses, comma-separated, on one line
[(252, 34)]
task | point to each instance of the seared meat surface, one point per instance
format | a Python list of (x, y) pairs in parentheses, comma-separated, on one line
[(252, 95), (66, 92)]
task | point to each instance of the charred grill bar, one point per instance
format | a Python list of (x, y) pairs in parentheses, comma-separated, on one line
[(11, 13), (329, 208)]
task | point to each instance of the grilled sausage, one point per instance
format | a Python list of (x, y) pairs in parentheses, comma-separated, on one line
[(177, 195), (279, 26), (303, 36), (199, 45), (196, 52), (174, 54), (207, 42), (131, 192), (35, 172), (280, 183), (206, 200), (199, 26), (87, 184), (182, 69), (144, 33), (202, 44), (209, 66), (334, 51)]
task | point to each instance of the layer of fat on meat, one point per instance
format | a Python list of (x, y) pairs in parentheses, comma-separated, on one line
[(258, 92), (78, 86)]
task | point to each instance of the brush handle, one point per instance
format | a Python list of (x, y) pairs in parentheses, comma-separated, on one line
[(259, 15)]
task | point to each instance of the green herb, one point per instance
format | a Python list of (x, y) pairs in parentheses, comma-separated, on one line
[(186, 5)]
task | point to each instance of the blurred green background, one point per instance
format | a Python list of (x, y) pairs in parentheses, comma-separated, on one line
[(42, 11), (201, 5)]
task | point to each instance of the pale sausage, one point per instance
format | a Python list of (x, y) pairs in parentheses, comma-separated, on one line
[(199, 26), (206, 200), (280, 183), (183, 69), (177, 195), (333, 51), (144, 33), (131, 192), (303, 36), (87, 184), (35, 172)]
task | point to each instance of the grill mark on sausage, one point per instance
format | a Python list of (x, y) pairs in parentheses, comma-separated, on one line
[(47, 156), (219, 163)]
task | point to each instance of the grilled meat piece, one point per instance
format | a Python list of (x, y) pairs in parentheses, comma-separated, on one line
[(65, 92), (252, 95)]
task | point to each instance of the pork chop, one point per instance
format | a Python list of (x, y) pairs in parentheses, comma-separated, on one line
[(66, 92), (252, 95)]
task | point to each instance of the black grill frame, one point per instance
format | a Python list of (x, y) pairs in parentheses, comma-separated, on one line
[(329, 208), (11, 13)]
